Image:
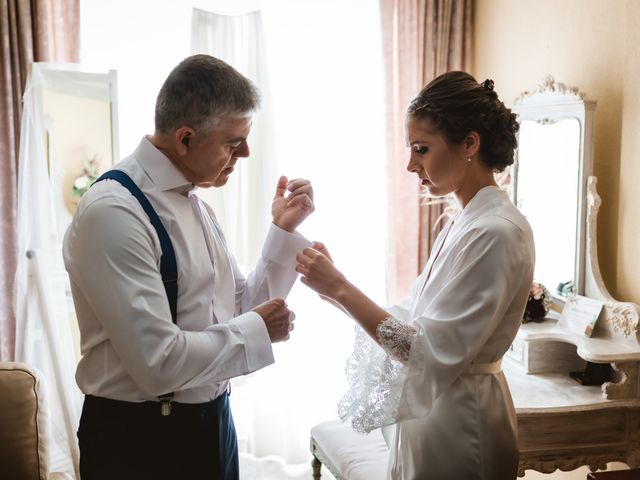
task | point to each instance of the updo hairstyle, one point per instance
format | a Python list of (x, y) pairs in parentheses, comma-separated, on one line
[(457, 104)]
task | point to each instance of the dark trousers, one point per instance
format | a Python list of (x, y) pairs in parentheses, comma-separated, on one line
[(124, 440)]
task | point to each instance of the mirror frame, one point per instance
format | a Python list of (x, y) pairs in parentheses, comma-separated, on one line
[(548, 103)]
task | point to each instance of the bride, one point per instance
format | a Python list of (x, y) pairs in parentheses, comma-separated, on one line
[(428, 369)]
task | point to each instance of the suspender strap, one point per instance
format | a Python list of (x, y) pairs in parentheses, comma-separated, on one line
[(168, 267)]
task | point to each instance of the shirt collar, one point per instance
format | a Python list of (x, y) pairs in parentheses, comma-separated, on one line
[(164, 174)]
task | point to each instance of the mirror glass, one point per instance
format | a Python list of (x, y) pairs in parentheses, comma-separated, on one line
[(549, 180), (546, 191), (79, 116)]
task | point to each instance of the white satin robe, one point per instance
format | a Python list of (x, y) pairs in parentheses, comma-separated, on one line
[(448, 424)]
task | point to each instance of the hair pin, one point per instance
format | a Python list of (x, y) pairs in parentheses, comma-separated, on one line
[(488, 84)]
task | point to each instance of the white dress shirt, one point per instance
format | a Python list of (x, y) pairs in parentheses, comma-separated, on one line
[(131, 350)]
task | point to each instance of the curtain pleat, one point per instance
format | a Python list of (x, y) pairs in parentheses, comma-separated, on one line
[(240, 207), (422, 39), (30, 31)]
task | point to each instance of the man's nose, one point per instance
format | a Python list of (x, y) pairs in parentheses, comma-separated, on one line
[(242, 151)]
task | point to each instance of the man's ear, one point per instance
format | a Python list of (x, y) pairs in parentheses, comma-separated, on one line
[(182, 139)]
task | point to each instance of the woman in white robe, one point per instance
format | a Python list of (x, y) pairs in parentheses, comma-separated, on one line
[(428, 370)]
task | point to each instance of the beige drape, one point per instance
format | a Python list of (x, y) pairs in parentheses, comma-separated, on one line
[(422, 39), (30, 30)]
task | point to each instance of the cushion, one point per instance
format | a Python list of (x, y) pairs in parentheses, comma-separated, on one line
[(21, 423), (353, 455)]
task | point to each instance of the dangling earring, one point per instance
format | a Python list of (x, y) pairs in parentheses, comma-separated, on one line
[(468, 159)]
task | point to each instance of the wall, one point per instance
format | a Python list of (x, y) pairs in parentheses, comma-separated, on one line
[(628, 261), (590, 44)]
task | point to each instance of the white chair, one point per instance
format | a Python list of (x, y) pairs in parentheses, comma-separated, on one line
[(24, 425)]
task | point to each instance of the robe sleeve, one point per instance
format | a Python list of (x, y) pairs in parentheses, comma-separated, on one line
[(371, 373), (485, 274)]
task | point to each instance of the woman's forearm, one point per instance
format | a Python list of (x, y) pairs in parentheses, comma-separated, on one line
[(393, 335), (363, 310)]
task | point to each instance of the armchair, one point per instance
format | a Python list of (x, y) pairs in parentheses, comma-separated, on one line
[(24, 425)]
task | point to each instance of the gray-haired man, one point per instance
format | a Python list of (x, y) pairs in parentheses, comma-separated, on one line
[(155, 362)]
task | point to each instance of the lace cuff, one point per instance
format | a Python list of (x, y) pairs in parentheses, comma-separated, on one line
[(375, 378), (395, 338)]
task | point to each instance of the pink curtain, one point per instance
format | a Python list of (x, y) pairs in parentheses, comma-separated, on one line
[(30, 31), (422, 39)]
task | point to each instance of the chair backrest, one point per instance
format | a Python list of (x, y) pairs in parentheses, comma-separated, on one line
[(23, 423)]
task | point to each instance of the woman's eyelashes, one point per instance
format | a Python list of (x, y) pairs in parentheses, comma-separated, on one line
[(420, 149)]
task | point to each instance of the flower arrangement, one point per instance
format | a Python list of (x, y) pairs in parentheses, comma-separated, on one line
[(90, 173), (538, 303)]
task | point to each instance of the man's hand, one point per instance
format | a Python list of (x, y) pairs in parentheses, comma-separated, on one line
[(289, 212), (277, 318)]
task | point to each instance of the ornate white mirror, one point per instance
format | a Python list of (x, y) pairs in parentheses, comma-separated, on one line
[(553, 163), (552, 184)]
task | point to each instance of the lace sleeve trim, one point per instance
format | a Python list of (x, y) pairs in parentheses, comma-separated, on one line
[(376, 378), (395, 338)]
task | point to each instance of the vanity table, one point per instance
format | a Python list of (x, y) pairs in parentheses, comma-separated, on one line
[(562, 424)]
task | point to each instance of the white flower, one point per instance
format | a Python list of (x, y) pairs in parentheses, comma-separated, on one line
[(81, 183)]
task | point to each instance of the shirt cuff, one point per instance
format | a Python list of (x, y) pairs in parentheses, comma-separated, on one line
[(258, 344), (281, 246)]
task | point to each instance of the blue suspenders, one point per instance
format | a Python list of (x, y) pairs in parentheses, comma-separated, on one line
[(168, 266)]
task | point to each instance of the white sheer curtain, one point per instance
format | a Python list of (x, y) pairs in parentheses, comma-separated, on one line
[(242, 207), (43, 333), (327, 121)]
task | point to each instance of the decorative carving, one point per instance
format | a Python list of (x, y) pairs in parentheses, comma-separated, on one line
[(593, 206), (594, 462), (623, 317), (550, 85), (547, 121), (620, 318), (627, 386)]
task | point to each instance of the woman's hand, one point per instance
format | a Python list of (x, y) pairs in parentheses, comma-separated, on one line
[(319, 246), (318, 272)]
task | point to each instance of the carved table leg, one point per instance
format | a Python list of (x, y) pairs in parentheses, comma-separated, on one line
[(316, 465)]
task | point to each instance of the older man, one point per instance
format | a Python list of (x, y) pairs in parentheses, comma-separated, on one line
[(165, 316)]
